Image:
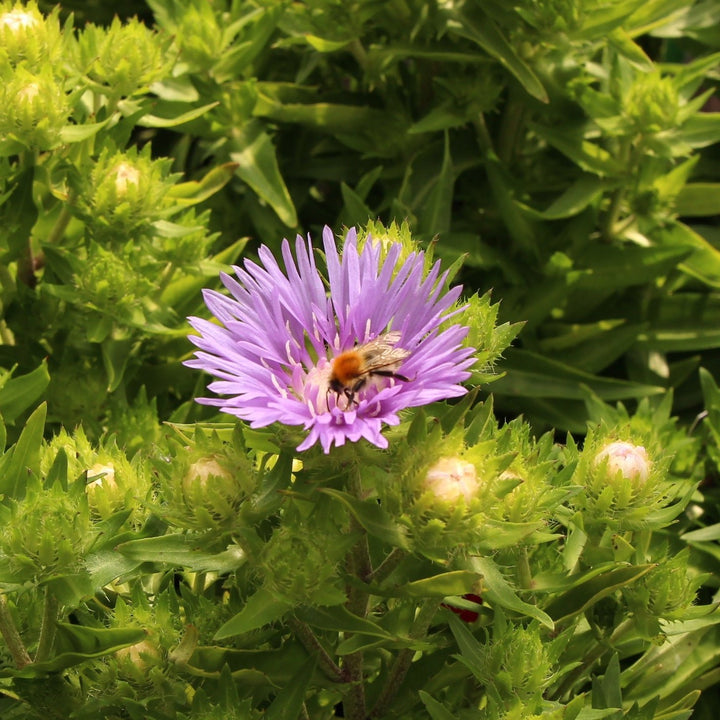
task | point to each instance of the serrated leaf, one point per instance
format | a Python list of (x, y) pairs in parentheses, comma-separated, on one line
[(260, 609), (183, 550), (499, 592)]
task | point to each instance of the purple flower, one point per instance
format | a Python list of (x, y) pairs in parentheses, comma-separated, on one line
[(273, 351)]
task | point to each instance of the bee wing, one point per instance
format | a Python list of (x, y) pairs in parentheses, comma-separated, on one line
[(382, 352)]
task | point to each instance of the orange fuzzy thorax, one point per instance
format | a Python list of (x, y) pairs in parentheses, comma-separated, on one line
[(347, 366)]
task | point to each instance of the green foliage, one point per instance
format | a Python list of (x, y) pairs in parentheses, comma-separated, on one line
[(561, 159)]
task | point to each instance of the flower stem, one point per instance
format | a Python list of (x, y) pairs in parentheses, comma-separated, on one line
[(307, 637), (385, 568), (11, 636), (58, 229), (359, 566), (523, 570), (47, 628), (592, 656), (404, 659)]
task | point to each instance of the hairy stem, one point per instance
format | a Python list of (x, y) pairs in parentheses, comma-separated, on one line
[(307, 637), (359, 566), (11, 636), (404, 659), (385, 568), (592, 656), (48, 627)]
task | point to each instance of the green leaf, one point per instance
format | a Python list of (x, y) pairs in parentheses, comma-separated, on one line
[(471, 651), (579, 597), (183, 550), (699, 200), (615, 267), (78, 133), (530, 375), (195, 191), (355, 211), (589, 157), (456, 582), (323, 45), (20, 393), (606, 692), (700, 130), (684, 322), (675, 666), (338, 618), (25, 458), (372, 517), (436, 211), (436, 710), (288, 703), (498, 591), (174, 119), (19, 214), (703, 261), (181, 294), (115, 355), (257, 166), (583, 192), (77, 644), (489, 37), (260, 609)]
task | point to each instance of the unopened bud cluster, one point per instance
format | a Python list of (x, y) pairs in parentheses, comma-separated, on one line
[(124, 194), (621, 483)]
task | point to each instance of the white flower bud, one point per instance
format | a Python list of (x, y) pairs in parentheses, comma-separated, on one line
[(106, 477), (17, 20), (125, 174), (451, 479), (631, 460)]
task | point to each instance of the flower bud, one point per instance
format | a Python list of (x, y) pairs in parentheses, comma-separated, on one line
[(451, 479), (33, 109), (631, 461), (102, 489), (135, 661), (124, 194), (27, 37), (125, 174)]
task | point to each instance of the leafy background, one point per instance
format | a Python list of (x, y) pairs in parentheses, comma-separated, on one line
[(567, 151)]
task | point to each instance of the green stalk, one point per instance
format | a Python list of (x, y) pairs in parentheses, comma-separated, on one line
[(47, 627), (592, 656), (307, 637), (11, 636), (358, 565), (58, 229), (404, 659), (523, 570), (386, 567)]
